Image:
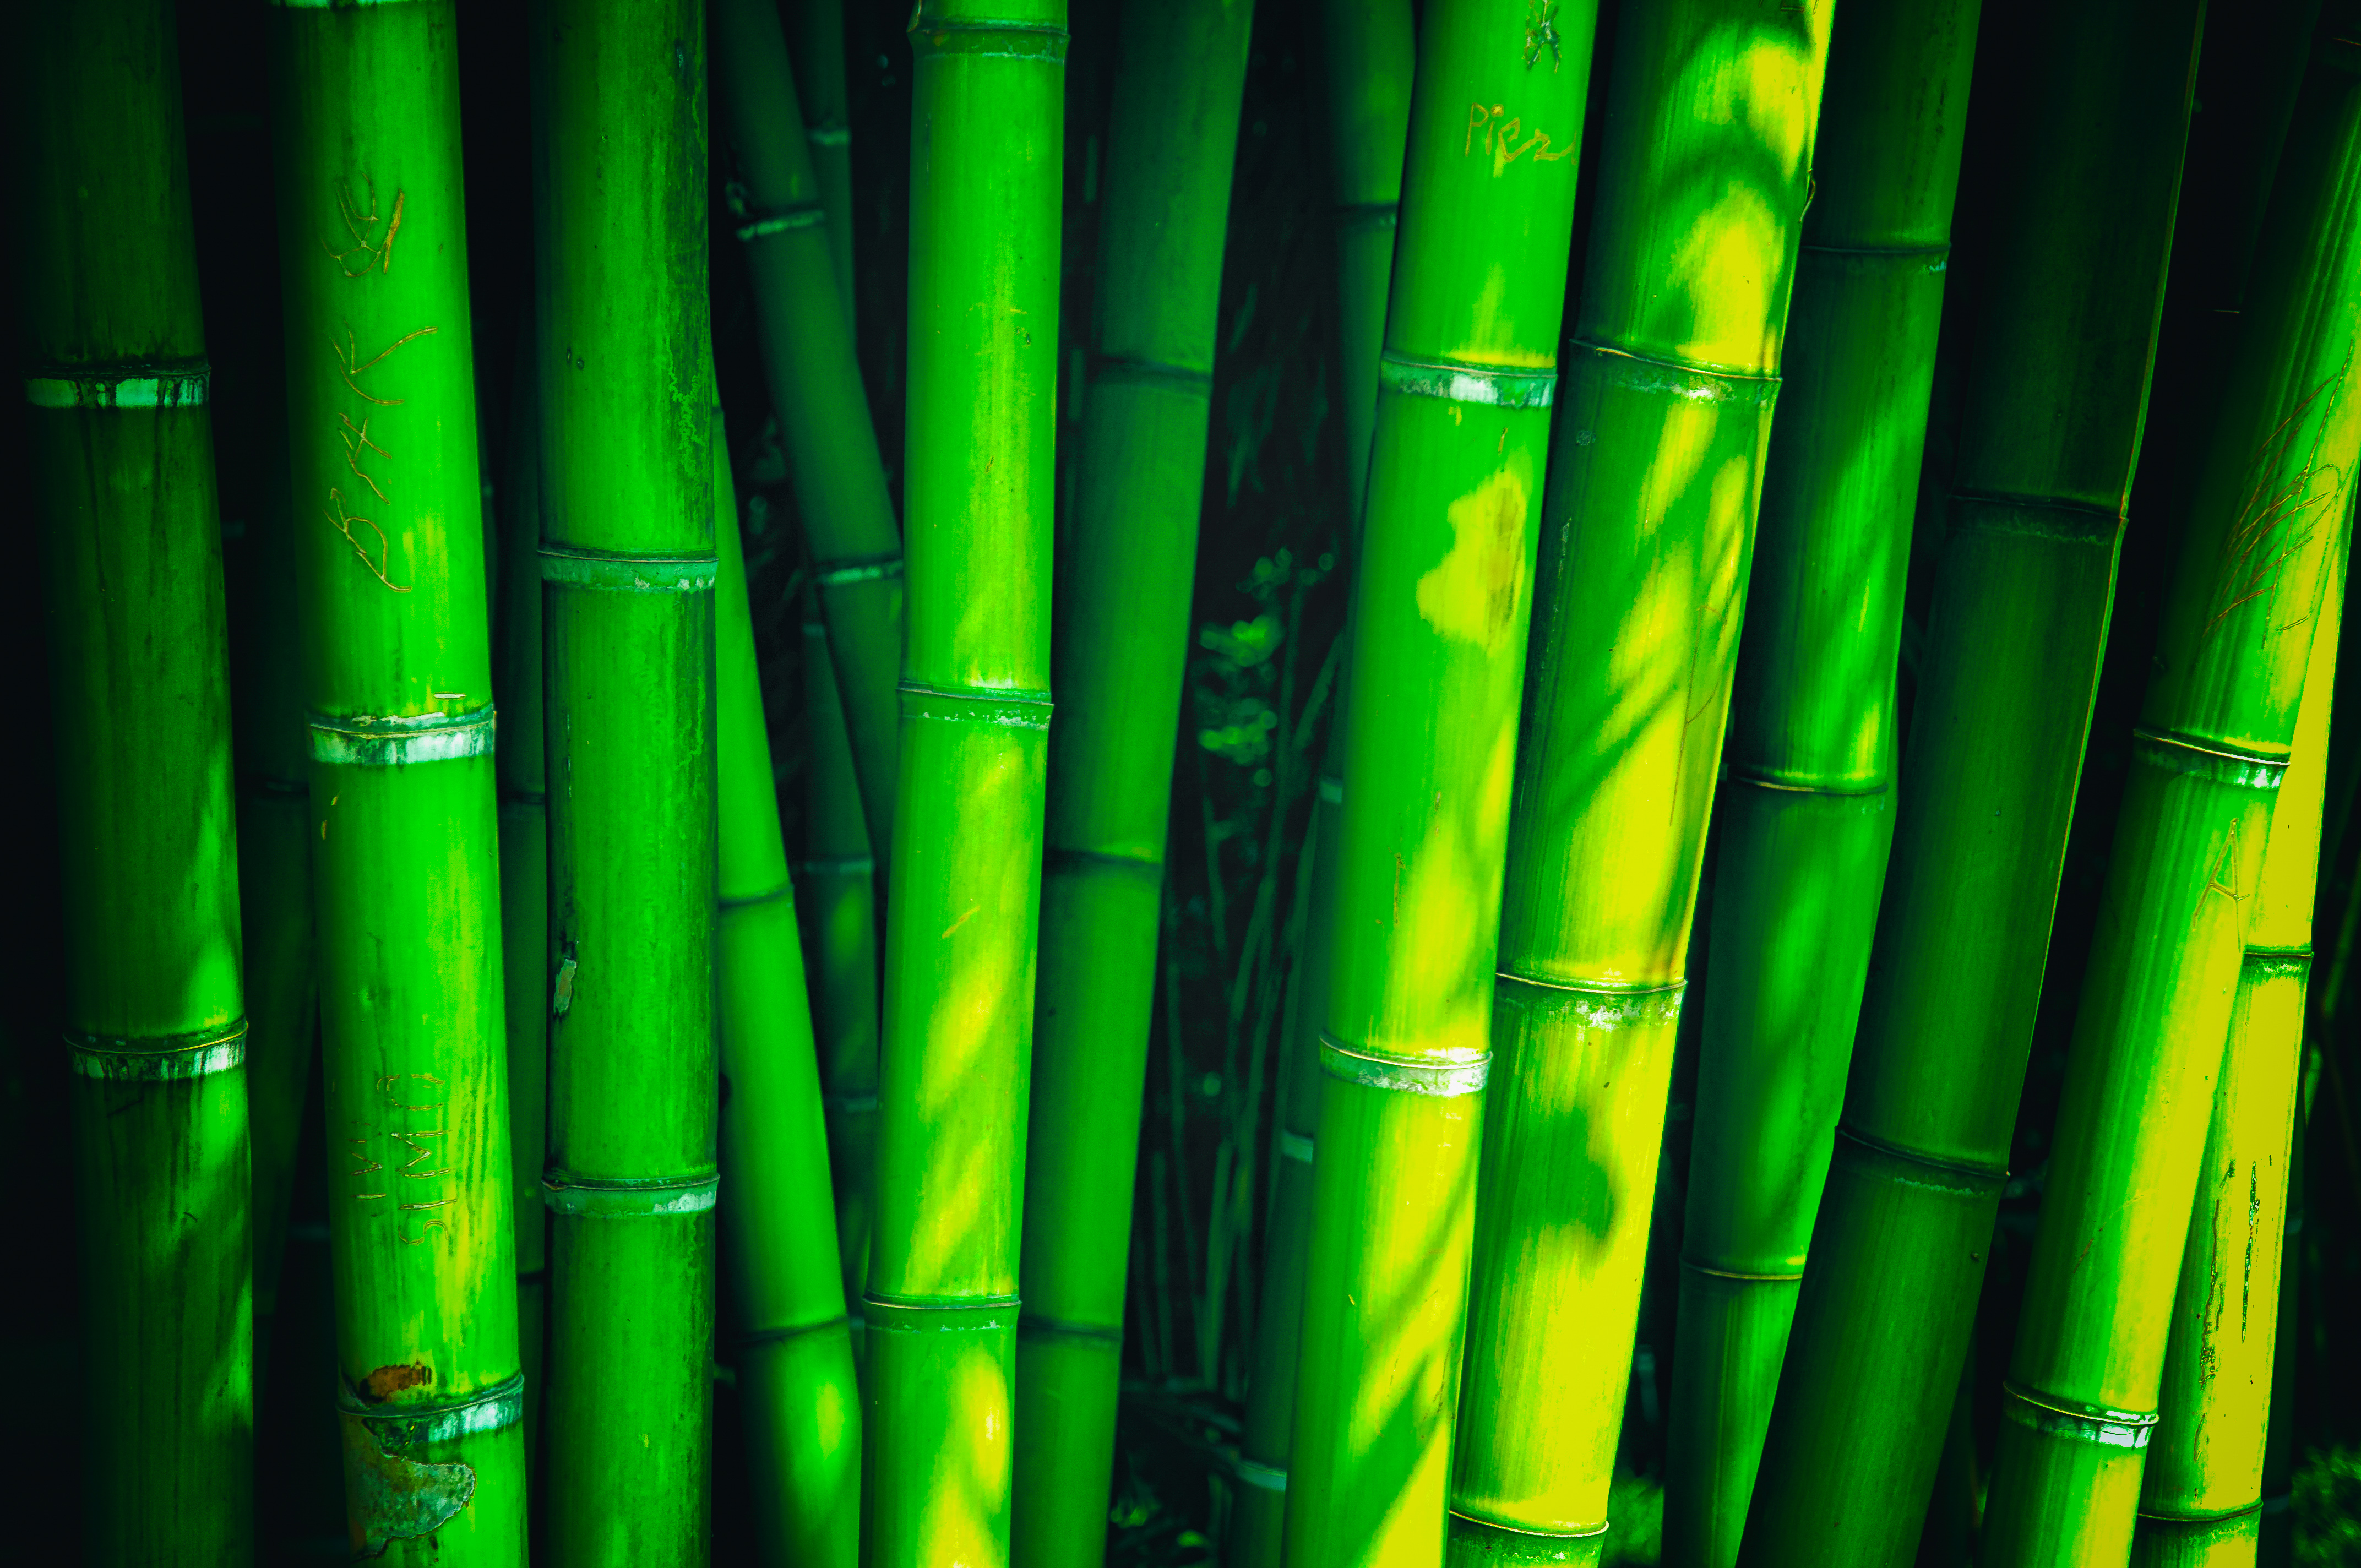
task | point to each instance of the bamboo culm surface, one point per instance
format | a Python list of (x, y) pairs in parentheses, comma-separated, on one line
[(804, 323), (2208, 756), (2201, 1487), (1807, 813), (523, 778), (120, 443), (1127, 567), (628, 570), (2049, 435), (1443, 596), (1368, 54), (988, 156), (382, 446), (790, 1343)]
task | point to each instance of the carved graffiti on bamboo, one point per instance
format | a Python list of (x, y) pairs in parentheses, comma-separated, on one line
[(1493, 132), (2281, 507), (372, 244), (416, 1158)]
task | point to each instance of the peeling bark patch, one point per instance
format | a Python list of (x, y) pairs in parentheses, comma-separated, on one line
[(386, 1381), (388, 1498)]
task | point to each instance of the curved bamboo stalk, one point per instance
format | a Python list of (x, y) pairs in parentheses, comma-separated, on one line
[(2207, 760), (2201, 1489), (1807, 813), (794, 1349), (1368, 56), (2050, 433), (120, 444), (1458, 462), (815, 41), (628, 569), (1119, 653), (988, 154), (836, 903), (1654, 485), (806, 333), (522, 769), (382, 442)]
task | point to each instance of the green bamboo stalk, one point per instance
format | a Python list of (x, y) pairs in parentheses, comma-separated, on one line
[(988, 144), (836, 901), (524, 776), (121, 455), (383, 451), (804, 319), (628, 568), (2201, 1489), (2207, 760), (238, 266), (1654, 487), (2050, 433), (1369, 52), (1120, 650), (1368, 48), (793, 1350), (1807, 817), (1457, 463), (815, 40)]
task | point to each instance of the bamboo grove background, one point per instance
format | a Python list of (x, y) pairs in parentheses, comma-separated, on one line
[(1261, 690)]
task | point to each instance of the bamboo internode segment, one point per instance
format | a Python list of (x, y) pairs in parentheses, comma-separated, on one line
[(381, 438), (988, 156), (803, 311), (792, 1345), (815, 40), (119, 447), (836, 903), (1367, 53), (1443, 596), (1119, 653), (2203, 1483), (2216, 729), (628, 567), (2048, 437)]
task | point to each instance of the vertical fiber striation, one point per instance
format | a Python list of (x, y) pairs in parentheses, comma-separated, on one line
[(628, 570), (120, 440), (987, 160), (1444, 592)]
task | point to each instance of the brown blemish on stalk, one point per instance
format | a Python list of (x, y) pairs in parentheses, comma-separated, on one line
[(386, 1381)]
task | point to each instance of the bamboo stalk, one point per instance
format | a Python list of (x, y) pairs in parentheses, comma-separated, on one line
[(1806, 816), (120, 444), (1650, 522), (1368, 57), (2050, 433), (793, 1350), (814, 42), (382, 436), (1457, 460), (628, 568), (1120, 654), (804, 318), (988, 151), (2201, 1489), (836, 901), (2207, 760), (522, 770)]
